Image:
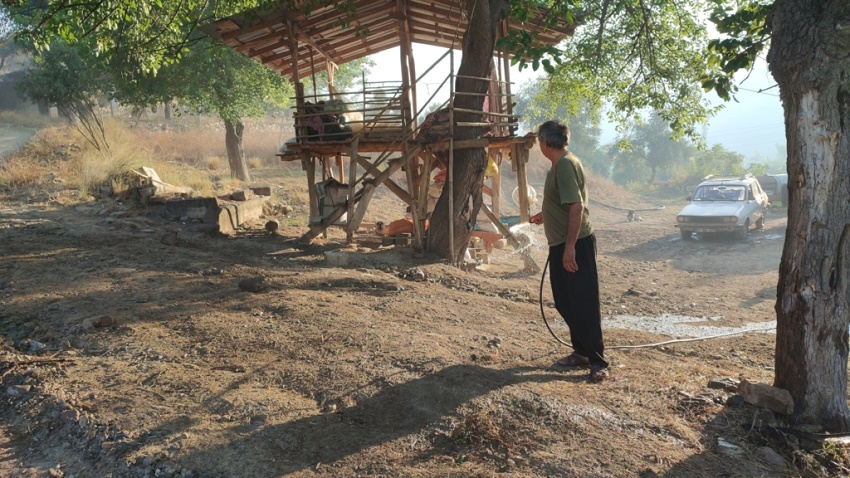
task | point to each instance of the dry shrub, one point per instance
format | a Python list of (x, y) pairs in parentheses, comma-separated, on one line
[(230, 184), (182, 153), (255, 163), (18, 171), (480, 433), (61, 152), (214, 163), (192, 145), (49, 158)]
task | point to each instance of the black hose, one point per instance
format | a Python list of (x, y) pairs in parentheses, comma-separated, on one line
[(626, 347), (545, 321)]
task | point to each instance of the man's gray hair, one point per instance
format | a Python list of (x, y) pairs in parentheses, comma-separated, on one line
[(554, 133)]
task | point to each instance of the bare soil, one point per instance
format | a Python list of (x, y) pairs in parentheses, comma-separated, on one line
[(128, 351)]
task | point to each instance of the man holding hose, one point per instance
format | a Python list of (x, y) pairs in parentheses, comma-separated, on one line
[(572, 250)]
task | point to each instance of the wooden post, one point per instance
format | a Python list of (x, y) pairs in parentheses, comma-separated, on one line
[(496, 183), (414, 211), (352, 177), (408, 45), (424, 185), (519, 156), (509, 106), (331, 89), (355, 218), (451, 162), (309, 165), (340, 168)]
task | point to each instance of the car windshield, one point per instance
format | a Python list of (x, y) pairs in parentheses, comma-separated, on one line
[(720, 193)]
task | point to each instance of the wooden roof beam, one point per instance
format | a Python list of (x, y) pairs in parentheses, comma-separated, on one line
[(315, 45), (274, 21)]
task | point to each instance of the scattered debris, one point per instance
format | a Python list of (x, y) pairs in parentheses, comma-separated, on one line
[(147, 186), (725, 447), (726, 384), (414, 274)]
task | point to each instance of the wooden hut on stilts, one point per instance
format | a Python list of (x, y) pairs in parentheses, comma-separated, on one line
[(355, 141)]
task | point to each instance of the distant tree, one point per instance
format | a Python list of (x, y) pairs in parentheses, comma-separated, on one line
[(652, 143), (758, 169), (717, 160), (71, 79), (538, 102), (211, 78)]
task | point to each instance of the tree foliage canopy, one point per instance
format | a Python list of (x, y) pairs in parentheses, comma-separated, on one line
[(637, 56), (138, 34)]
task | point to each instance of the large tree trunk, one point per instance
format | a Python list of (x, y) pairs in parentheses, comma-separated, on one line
[(235, 153), (469, 164), (810, 60)]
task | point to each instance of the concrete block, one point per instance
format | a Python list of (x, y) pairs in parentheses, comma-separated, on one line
[(242, 195), (204, 210), (214, 215), (232, 215)]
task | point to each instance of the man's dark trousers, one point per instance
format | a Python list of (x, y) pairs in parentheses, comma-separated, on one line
[(577, 298)]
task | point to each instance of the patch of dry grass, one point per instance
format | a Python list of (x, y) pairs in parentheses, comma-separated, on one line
[(50, 157), (181, 152)]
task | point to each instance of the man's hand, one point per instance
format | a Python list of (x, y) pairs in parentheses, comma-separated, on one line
[(536, 219), (570, 258)]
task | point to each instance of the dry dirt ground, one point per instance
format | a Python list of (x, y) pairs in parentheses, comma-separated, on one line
[(126, 352)]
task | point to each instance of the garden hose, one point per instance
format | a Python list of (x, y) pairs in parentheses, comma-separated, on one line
[(626, 347)]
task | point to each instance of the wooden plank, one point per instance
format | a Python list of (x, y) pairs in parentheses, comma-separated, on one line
[(273, 21), (520, 155), (389, 183), (309, 166), (484, 124), (352, 178), (316, 229), (266, 49), (486, 113), (355, 219)]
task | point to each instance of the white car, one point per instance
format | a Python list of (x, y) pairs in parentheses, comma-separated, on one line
[(724, 204)]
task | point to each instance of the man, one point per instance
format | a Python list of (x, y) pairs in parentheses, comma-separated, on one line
[(572, 250)]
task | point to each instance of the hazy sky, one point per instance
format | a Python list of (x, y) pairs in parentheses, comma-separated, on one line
[(752, 126)]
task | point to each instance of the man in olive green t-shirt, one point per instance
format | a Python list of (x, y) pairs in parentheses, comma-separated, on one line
[(572, 250)]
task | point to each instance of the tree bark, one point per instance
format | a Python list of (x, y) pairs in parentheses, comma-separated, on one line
[(235, 152), (469, 164), (810, 59)]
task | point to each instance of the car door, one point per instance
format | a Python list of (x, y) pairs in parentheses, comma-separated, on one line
[(759, 202)]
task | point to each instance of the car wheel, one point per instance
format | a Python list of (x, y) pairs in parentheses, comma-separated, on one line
[(760, 223), (745, 230), (686, 235)]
